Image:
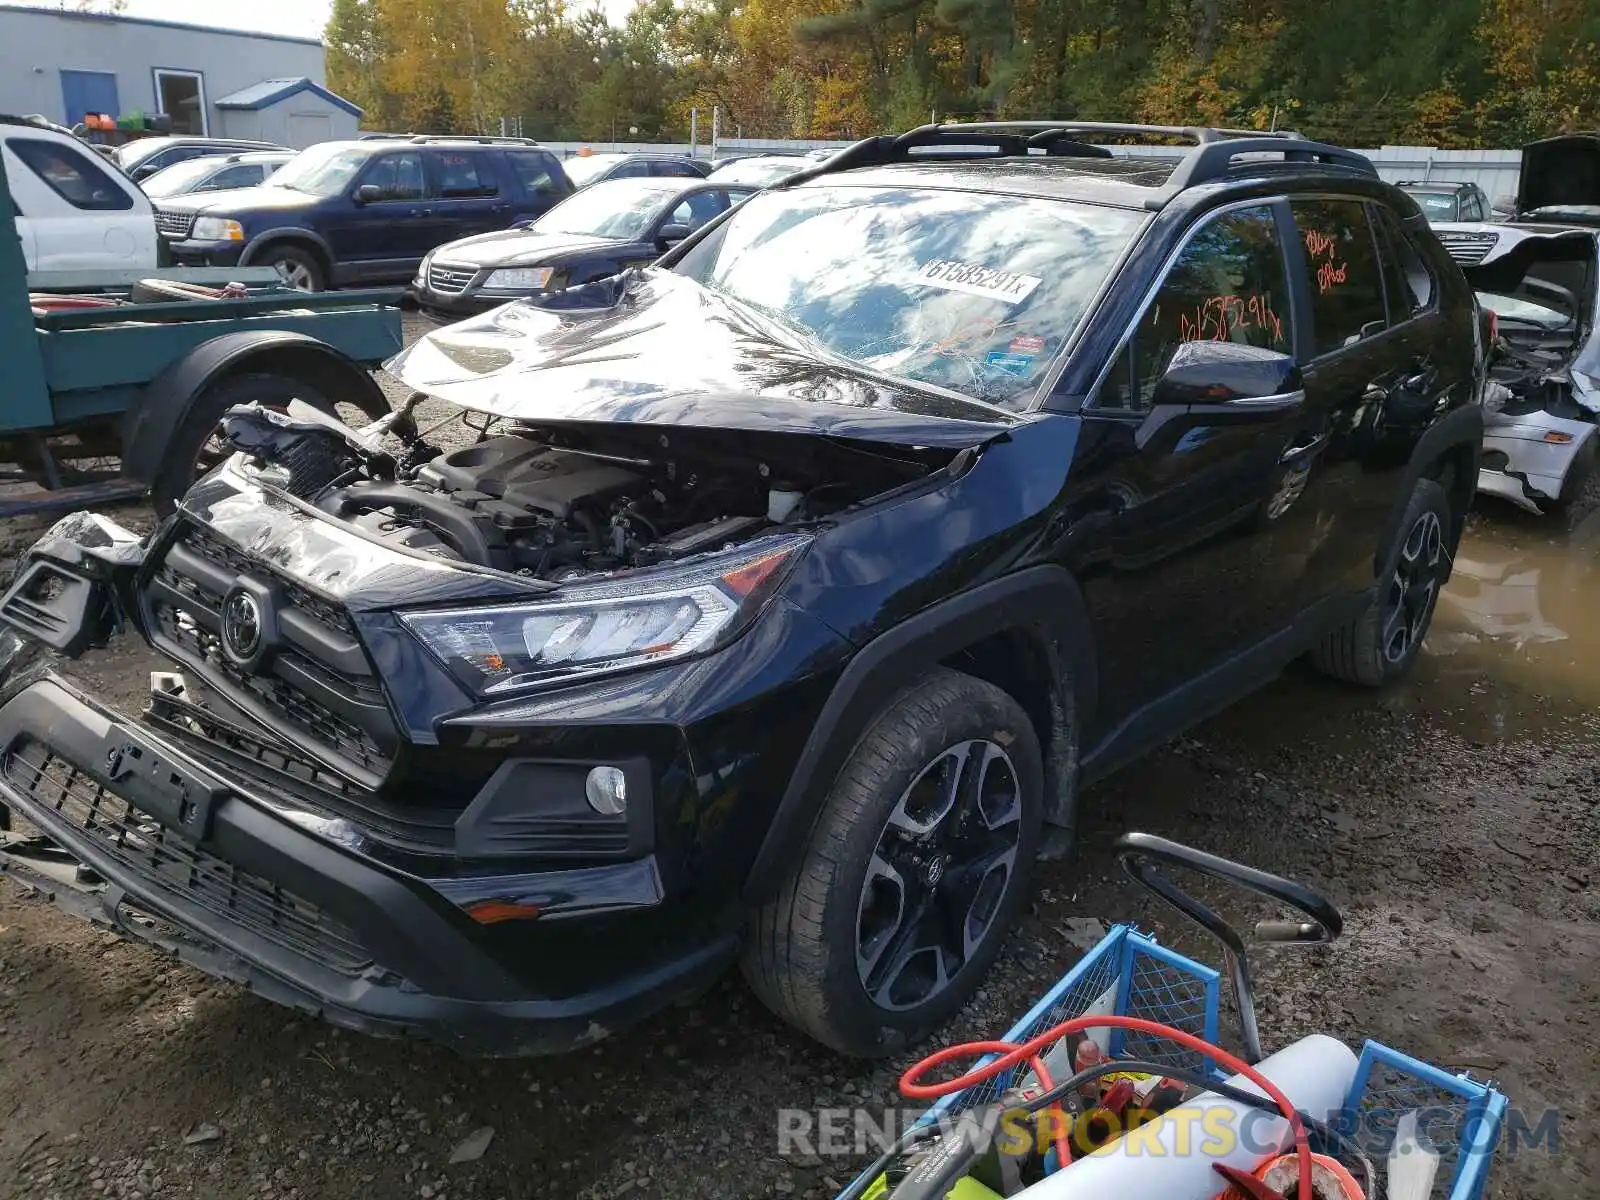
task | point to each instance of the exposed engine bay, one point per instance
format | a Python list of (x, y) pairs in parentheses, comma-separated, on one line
[(1543, 297), (558, 503)]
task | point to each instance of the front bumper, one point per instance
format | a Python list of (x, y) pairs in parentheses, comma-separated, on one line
[(447, 307), (245, 894), (188, 253)]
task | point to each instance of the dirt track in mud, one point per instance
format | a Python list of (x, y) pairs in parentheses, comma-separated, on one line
[(1452, 819)]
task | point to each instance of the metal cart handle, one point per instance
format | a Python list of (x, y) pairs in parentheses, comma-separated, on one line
[(1139, 852)]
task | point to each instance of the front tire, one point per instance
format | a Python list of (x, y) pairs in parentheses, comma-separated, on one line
[(920, 860), (1381, 644), (299, 267)]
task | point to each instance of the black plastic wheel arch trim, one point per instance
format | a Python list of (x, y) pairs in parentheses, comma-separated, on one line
[(1043, 598)]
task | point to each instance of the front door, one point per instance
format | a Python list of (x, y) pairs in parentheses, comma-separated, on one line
[(387, 236), (1174, 543)]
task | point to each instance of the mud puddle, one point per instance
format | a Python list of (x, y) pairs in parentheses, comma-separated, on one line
[(1515, 646)]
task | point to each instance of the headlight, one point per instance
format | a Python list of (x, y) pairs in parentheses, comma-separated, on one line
[(643, 617), (520, 279), (422, 269), (217, 229)]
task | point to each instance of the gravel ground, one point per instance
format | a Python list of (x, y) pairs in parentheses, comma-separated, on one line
[(1451, 818)]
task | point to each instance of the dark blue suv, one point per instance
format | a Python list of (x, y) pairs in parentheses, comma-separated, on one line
[(365, 211)]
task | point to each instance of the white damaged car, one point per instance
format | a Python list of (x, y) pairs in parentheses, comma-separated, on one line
[(1539, 275)]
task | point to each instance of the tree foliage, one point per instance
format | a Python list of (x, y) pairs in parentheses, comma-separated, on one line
[(1363, 72)]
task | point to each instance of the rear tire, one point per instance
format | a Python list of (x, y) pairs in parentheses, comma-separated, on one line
[(918, 865), (300, 267), (1382, 643), (192, 451)]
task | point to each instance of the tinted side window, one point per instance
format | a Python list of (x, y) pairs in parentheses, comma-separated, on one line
[(243, 175), (696, 210), (464, 176), (73, 176), (1407, 280), (534, 169), (635, 168), (677, 169), (1228, 285), (1342, 271), (396, 176)]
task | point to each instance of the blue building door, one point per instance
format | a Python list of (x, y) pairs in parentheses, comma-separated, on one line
[(88, 92)]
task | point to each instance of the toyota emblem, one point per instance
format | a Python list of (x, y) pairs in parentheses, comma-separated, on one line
[(241, 624)]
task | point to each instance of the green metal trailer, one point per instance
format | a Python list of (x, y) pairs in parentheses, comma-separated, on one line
[(113, 382)]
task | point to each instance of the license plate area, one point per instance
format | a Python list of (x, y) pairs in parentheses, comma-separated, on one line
[(177, 795)]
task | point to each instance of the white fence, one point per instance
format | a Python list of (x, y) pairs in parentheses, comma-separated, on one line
[(1495, 171)]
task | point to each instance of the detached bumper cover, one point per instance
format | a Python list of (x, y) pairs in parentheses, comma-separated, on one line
[(1532, 470), (218, 877)]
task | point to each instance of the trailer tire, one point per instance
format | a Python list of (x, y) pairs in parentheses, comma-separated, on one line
[(189, 454)]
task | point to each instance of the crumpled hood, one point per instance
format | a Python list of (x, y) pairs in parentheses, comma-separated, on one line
[(656, 348), (520, 247)]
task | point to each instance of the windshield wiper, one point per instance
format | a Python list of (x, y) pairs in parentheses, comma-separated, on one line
[(809, 342)]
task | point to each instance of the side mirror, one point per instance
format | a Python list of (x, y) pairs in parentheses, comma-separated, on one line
[(1506, 206), (1246, 377), (672, 234), (368, 193)]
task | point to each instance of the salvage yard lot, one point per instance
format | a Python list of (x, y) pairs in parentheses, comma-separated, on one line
[(1451, 818)]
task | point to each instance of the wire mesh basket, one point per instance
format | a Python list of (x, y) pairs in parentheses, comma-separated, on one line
[(1130, 974)]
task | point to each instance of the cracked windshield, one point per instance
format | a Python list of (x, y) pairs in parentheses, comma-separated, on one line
[(974, 293)]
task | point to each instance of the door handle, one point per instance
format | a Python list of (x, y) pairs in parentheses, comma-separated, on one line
[(420, 212), (1302, 448)]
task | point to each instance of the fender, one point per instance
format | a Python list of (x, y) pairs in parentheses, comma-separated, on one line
[(1459, 427), (287, 233), (167, 400), (1045, 599)]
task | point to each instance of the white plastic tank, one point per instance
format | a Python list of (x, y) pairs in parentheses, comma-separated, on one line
[(1172, 1157)]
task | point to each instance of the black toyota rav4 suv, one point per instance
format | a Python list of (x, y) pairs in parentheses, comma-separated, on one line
[(791, 592)]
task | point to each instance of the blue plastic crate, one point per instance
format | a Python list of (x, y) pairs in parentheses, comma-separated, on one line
[(1130, 974)]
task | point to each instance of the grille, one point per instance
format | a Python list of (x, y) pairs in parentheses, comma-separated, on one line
[(1469, 249), (173, 224), (182, 870), (296, 686), (442, 277)]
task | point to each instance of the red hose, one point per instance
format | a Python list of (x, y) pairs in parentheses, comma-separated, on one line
[(1063, 1143), (1014, 1053)]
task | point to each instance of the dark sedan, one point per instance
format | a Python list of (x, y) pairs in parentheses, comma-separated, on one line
[(602, 229), (586, 169)]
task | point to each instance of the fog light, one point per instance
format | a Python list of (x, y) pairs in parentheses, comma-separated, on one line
[(607, 790)]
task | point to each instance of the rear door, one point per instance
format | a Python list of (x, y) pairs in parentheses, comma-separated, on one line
[(75, 213), (1191, 574), (1372, 370), (468, 196)]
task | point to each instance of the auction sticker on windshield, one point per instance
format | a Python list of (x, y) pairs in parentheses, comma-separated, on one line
[(977, 280)]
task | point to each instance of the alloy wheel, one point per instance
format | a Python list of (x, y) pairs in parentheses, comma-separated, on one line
[(939, 874), (1412, 589), (296, 274)]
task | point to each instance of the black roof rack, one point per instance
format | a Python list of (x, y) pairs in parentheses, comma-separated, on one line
[(481, 138), (1214, 155)]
